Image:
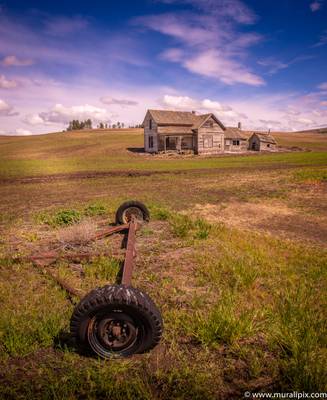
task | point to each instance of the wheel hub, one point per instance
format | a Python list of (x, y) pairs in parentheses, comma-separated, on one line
[(113, 333), (132, 212)]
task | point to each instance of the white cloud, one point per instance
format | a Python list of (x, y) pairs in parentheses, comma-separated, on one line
[(120, 102), (323, 103), (62, 114), (180, 102), (34, 119), (215, 64), (6, 109), (223, 112), (13, 61), (315, 6), (7, 83), (23, 132), (261, 113), (214, 105)]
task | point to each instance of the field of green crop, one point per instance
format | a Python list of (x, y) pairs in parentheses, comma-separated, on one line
[(234, 256)]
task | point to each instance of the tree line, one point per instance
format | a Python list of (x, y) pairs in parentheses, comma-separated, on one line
[(76, 124)]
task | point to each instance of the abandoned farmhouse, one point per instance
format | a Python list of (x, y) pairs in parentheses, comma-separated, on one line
[(202, 134)]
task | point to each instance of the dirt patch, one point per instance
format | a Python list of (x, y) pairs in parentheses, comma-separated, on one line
[(274, 218)]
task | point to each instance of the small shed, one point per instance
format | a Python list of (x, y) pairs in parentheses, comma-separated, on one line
[(260, 141), (235, 141)]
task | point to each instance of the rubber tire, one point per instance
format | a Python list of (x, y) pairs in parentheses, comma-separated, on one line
[(134, 301), (128, 204)]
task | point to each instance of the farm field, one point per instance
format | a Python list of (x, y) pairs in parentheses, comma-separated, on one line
[(234, 255)]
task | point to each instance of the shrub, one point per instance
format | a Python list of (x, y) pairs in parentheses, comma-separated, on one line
[(95, 209)]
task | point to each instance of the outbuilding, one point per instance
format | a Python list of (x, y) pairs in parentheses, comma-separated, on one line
[(260, 141)]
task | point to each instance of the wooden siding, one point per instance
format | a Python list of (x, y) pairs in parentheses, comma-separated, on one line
[(150, 132), (210, 129), (229, 146), (258, 145)]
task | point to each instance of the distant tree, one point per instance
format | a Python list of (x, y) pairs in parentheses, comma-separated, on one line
[(114, 126), (75, 124), (122, 124), (106, 126), (118, 125), (101, 126)]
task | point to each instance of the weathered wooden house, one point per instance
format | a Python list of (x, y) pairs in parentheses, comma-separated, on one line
[(235, 141), (260, 141), (182, 131)]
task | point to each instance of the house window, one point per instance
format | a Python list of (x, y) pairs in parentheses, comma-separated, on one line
[(207, 141), (150, 142), (150, 123), (268, 144), (236, 142), (227, 142)]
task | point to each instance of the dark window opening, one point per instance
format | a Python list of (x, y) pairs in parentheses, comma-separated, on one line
[(150, 142), (150, 123), (268, 145), (236, 142)]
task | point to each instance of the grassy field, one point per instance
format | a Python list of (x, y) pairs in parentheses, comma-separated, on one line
[(234, 255)]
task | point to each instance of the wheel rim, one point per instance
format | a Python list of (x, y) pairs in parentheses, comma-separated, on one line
[(112, 333), (130, 212)]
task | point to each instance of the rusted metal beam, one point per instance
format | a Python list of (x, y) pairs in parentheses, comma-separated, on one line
[(110, 231), (130, 254), (61, 282)]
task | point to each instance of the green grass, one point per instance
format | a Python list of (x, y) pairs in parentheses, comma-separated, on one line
[(108, 151)]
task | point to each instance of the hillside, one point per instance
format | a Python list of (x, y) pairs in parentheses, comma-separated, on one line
[(121, 150)]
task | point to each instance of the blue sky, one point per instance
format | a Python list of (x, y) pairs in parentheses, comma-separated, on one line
[(260, 62)]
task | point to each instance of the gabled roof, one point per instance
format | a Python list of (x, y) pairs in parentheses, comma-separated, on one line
[(182, 118), (265, 137), (234, 133), (165, 117)]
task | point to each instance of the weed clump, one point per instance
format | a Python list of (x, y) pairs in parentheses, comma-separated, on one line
[(95, 209), (60, 218)]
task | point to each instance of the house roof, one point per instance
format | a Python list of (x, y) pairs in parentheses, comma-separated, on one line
[(265, 137), (182, 118), (234, 133)]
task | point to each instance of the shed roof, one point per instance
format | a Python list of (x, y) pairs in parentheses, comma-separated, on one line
[(182, 118), (234, 133), (265, 137)]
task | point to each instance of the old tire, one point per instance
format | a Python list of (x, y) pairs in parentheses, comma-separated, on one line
[(116, 320), (131, 209)]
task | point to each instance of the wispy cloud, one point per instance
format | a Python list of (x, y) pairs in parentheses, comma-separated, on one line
[(274, 65), (6, 110), (13, 61), (62, 25), (322, 40), (209, 43), (120, 102), (234, 10), (316, 5), (7, 83)]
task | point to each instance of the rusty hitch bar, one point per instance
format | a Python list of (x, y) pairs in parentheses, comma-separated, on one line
[(130, 253)]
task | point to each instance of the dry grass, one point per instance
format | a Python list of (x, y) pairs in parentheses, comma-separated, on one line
[(78, 234)]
